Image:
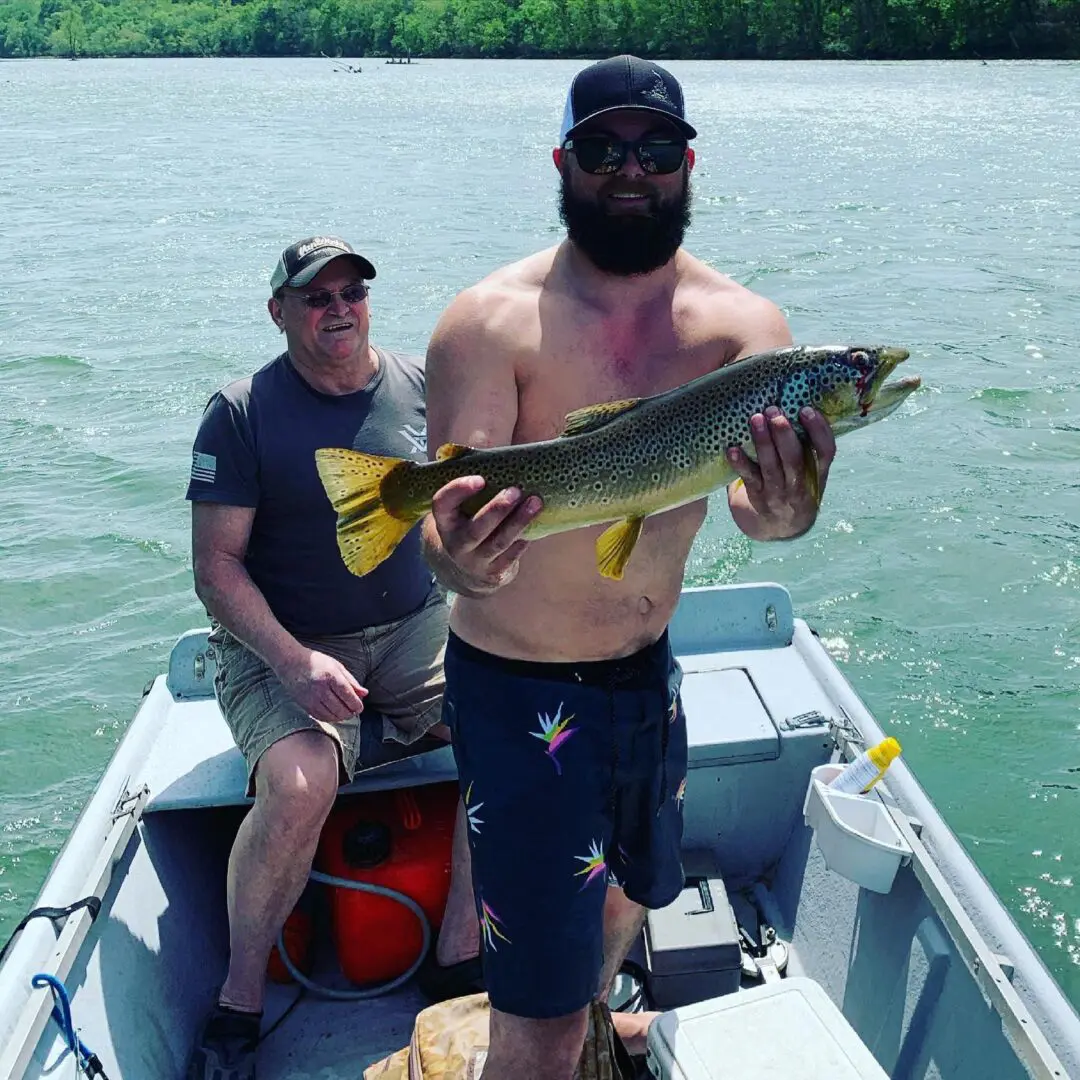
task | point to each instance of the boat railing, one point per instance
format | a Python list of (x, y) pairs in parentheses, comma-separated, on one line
[(992, 972), (986, 967), (37, 1010)]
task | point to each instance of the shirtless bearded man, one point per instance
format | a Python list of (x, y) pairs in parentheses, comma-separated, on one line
[(562, 693)]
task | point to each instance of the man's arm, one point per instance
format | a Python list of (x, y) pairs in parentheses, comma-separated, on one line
[(472, 399), (219, 538), (771, 500)]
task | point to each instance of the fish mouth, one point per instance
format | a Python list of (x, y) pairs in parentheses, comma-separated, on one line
[(886, 361), (890, 395), (887, 400)]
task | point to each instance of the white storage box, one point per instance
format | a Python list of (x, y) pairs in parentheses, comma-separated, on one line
[(789, 1029), (856, 833)]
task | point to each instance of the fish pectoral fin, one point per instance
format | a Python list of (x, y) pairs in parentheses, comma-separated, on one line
[(615, 545), (596, 416), (367, 533), (810, 469), (449, 451)]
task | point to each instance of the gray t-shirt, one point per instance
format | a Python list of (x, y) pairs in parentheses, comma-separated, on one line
[(256, 447)]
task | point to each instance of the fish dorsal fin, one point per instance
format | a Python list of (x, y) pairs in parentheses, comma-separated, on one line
[(449, 451), (596, 416)]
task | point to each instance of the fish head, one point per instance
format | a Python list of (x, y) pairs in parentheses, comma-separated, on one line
[(846, 384)]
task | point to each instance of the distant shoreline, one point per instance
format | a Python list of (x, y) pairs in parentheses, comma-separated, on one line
[(402, 30)]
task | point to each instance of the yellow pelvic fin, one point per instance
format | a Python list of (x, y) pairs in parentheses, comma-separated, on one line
[(452, 450), (615, 545), (367, 532), (596, 416), (813, 477)]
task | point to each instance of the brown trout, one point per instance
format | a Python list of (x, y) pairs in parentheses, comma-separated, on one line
[(622, 460)]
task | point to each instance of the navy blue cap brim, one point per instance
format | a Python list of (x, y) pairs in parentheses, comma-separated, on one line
[(686, 129)]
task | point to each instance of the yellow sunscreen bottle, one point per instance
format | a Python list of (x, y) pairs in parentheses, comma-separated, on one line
[(867, 769)]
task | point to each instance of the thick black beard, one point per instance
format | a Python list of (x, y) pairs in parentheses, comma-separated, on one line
[(626, 244)]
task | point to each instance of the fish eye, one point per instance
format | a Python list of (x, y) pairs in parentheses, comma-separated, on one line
[(861, 360)]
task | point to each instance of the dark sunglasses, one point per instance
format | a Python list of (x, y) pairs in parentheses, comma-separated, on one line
[(602, 154), (323, 298)]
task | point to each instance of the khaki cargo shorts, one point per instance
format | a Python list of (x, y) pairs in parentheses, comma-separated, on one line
[(400, 663)]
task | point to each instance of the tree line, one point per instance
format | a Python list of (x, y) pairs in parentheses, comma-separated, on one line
[(677, 29)]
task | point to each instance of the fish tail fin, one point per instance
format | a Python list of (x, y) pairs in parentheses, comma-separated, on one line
[(615, 545), (367, 532)]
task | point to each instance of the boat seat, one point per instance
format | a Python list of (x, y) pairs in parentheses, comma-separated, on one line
[(194, 763), (789, 1028)]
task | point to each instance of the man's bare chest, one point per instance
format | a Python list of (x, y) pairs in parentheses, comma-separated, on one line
[(555, 383)]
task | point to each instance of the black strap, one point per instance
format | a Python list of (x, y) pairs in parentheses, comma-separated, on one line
[(54, 915), (94, 1067)]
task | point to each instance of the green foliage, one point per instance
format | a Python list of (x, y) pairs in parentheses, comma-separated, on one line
[(701, 29)]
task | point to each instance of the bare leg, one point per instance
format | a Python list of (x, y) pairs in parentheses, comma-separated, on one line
[(537, 1049), (551, 1049), (295, 785), (623, 920), (459, 936)]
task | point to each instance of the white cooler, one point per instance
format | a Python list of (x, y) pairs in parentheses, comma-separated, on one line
[(788, 1029)]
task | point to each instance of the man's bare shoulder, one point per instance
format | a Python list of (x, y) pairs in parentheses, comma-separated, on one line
[(711, 304), (497, 309)]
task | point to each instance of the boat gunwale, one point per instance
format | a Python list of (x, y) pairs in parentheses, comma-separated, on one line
[(985, 933)]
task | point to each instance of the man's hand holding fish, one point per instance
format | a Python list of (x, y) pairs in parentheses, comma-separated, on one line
[(774, 497), (484, 547)]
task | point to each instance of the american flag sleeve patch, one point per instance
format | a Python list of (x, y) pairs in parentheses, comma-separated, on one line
[(203, 467)]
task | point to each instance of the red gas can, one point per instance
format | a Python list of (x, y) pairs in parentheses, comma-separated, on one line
[(401, 840)]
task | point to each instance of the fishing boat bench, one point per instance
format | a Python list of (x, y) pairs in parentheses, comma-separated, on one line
[(745, 694), (194, 762)]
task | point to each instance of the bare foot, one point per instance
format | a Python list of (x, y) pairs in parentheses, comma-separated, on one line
[(633, 1029)]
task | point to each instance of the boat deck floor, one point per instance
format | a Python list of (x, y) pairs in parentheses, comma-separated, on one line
[(322, 1039), (326, 1039)]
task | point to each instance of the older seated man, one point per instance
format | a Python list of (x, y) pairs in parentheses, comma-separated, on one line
[(320, 673)]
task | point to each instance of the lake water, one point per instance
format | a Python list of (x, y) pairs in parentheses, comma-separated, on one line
[(934, 205)]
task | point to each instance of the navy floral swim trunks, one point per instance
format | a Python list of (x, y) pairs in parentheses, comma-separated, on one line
[(573, 776)]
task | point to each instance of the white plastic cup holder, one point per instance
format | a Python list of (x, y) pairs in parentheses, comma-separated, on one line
[(856, 834)]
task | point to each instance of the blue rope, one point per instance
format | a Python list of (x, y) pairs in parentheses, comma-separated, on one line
[(61, 1012)]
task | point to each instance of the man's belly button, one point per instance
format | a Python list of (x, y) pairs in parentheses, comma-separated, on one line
[(645, 605)]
